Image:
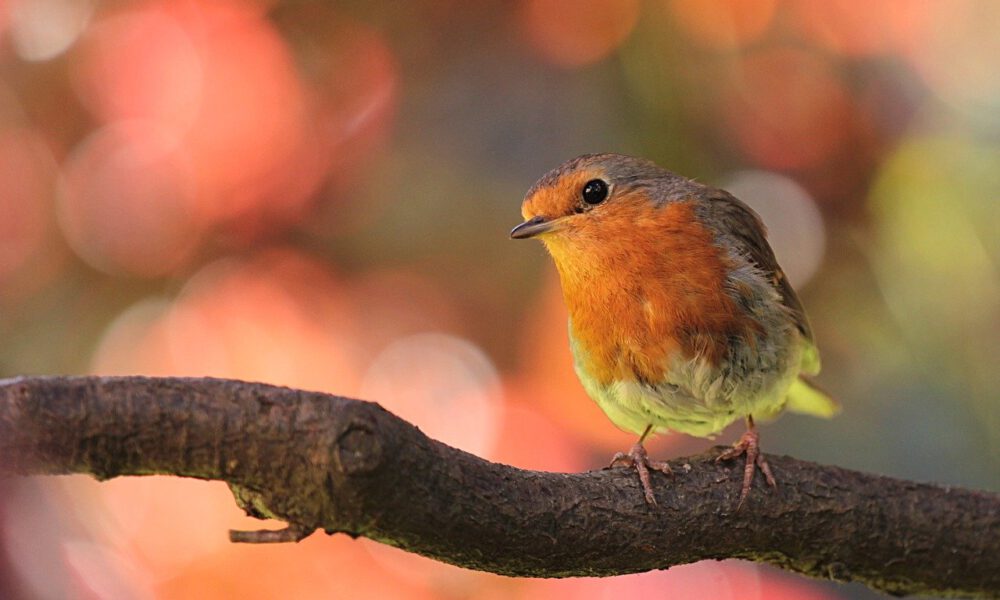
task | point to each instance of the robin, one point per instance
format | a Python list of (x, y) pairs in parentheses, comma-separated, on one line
[(680, 318)]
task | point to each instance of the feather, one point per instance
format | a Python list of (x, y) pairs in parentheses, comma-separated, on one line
[(807, 399)]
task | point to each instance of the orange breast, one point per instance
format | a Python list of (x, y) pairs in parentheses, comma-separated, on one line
[(643, 285)]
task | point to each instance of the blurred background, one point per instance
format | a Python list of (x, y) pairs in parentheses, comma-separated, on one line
[(318, 194)]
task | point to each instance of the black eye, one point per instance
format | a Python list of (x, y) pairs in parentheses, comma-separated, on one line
[(595, 191)]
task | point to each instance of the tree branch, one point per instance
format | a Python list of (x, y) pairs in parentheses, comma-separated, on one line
[(323, 462)]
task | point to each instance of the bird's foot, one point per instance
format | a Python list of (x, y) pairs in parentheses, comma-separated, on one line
[(749, 444), (639, 460)]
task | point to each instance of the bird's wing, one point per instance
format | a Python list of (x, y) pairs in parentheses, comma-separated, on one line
[(744, 228), (805, 398)]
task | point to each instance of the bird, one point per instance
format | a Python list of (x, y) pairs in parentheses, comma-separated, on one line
[(680, 318)]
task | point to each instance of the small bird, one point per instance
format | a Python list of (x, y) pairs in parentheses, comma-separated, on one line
[(680, 318)]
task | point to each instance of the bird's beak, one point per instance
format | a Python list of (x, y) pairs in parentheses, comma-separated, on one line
[(533, 227)]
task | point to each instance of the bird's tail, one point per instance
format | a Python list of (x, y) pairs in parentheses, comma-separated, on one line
[(807, 399)]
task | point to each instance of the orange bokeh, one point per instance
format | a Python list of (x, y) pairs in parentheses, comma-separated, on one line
[(788, 110), (573, 33), (4, 28), (247, 140), (441, 383), (165, 523), (705, 579), (528, 439), (136, 342), (723, 24), (141, 64), (218, 79), (27, 171), (846, 27), (279, 318), (125, 200), (318, 567), (165, 537), (445, 580), (417, 367), (858, 30)]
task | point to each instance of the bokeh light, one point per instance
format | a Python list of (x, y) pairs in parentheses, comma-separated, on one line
[(443, 384), (788, 108), (529, 439), (34, 534), (953, 48), (218, 79), (247, 139), (27, 174), (724, 24), (316, 568), (794, 223), (141, 64), (120, 529), (126, 200), (838, 26), (229, 312), (573, 33), (707, 579), (936, 235), (43, 29), (103, 573), (136, 341)]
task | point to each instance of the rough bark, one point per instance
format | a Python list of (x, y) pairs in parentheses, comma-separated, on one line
[(318, 461)]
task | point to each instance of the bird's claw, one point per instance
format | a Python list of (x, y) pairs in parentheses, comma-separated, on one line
[(638, 459), (749, 444)]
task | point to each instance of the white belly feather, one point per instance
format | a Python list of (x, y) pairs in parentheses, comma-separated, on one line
[(697, 398)]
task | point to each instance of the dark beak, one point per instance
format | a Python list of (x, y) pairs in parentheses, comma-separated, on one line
[(531, 228)]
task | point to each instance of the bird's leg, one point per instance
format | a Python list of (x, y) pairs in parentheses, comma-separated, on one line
[(749, 444), (639, 460)]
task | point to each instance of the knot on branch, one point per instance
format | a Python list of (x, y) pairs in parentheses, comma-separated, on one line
[(358, 449)]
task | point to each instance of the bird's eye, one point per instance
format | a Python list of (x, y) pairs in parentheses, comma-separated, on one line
[(595, 191)]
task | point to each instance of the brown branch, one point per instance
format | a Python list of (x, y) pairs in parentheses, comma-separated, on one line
[(323, 462)]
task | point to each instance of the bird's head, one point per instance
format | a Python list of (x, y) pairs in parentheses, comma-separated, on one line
[(597, 199)]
